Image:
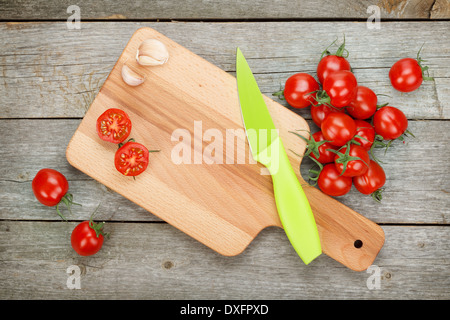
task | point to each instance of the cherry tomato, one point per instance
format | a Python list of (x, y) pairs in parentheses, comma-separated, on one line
[(338, 128), (131, 159), (364, 105), (330, 64), (406, 75), (113, 125), (332, 183), (372, 181), (87, 238), (340, 87), (367, 133), (390, 122), (321, 111), (325, 156), (353, 161), (49, 187), (298, 88)]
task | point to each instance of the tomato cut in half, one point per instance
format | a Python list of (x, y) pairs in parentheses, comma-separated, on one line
[(131, 159), (114, 126)]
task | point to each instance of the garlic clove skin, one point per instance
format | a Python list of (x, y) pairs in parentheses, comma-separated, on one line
[(131, 77), (152, 52)]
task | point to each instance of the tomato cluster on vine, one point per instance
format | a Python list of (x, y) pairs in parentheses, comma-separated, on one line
[(351, 122)]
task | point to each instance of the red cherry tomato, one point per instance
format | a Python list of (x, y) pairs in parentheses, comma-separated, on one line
[(87, 238), (325, 156), (131, 159), (390, 122), (49, 187), (332, 183), (113, 125), (298, 88), (406, 75), (352, 163), (364, 105), (340, 87), (367, 133), (321, 111), (338, 128), (373, 179), (330, 64)]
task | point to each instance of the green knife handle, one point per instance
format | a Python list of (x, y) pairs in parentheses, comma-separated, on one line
[(293, 207)]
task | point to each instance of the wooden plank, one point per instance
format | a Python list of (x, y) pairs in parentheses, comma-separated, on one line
[(224, 10), (440, 9), (416, 190), (156, 261), (50, 71)]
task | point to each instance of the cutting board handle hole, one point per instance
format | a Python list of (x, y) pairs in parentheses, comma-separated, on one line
[(358, 244)]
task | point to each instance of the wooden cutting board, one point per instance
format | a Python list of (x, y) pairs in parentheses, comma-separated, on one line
[(186, 108)]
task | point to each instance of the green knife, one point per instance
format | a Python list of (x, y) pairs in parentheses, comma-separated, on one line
[(266, 148)]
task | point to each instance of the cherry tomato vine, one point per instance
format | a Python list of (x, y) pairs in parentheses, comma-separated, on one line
[(351, 122)]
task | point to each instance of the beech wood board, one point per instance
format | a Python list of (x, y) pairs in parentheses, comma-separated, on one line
[(226, 205)]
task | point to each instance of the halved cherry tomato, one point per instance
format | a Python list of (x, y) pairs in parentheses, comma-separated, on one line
[(338, 128), (365, 134), (332, 183), (298, 88), (364, 105), (371, 181), (113, 125), (353, 161), (131, 159), (390, 122)]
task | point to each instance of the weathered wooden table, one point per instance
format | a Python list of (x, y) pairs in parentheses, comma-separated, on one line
[(50, 74)]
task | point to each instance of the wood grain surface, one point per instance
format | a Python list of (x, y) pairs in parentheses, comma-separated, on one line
[(224, 10), (48, 80), (217, 200)]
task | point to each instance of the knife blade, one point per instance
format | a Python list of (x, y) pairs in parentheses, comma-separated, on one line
[(267, 148)]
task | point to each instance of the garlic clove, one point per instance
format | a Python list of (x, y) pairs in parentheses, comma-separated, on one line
[(131, 77), (152, 52)]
